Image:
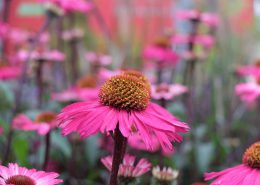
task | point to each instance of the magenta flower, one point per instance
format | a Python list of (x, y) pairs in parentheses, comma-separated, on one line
[(167, 91), (9, 72), (210, 19), (43, 123), (124, 100), (128, 168), (15, 175), (247, 173), (248, 92), (4, 28)]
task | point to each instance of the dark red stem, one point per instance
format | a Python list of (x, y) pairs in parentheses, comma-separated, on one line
[(47, 151), (119, 151)]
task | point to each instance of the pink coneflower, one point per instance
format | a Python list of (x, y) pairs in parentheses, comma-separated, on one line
[(69, 95), (206, 41), (43, 123), (128, 168), (248, 92), (247, 173), (9, 72), (15, 175), (167, 91), (124, 101)]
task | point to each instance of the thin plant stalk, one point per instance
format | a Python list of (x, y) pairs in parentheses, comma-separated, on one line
[(119, 150), (21, 82), (39, 79), (47, 150)]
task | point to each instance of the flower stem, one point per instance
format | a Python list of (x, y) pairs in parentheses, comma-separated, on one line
[(39, 82), (119, 151), (22, 80), (47, 150)]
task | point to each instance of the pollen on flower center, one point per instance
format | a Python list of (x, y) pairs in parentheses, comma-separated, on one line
[(162, 42), (138, 75), (125, 92), (252, 156), (20, 180), (257, 63), (46, 117)]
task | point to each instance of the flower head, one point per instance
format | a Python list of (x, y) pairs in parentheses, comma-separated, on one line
[(248, 92), (167, 92), (43, 123), (128, 168), (165, 175), (244, 174), (8, 72), (124, 100), (15, 175)]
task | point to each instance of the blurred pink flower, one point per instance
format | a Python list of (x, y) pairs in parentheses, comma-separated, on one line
[(167, 91), (9, 72), (188, 14), (136, 142), (98, 59), (69, 95), (73, 34), (1, 130), (189, 55), (250, 70), (248, 92), (69, 6), (128, 168), (205, 40), (43, 123), (210, 19), (15, 175), (4, 29), (247, 173), (18, 36), (51, 55), (137, 115), (162, 55)]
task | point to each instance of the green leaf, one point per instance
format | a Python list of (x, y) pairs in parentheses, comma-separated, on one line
[(21, 149)]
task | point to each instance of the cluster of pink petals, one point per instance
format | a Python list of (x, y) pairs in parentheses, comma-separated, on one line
[(69, 6), (23, 122), (128, 168), (52, 55), (136, 142), (248, 92), (206, 41), (4, 28), (88, 118), (250, 70), (38, 177), (100, 59), (76, 94), (237, 175), (9, 72), (158, 54), (167, 91), (207, 18)]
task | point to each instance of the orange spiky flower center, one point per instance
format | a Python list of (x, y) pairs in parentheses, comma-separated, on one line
[(87, 82), (138, 75), (162, 42), (20, 180), (46, 117), (252, 156), (125, 92)]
